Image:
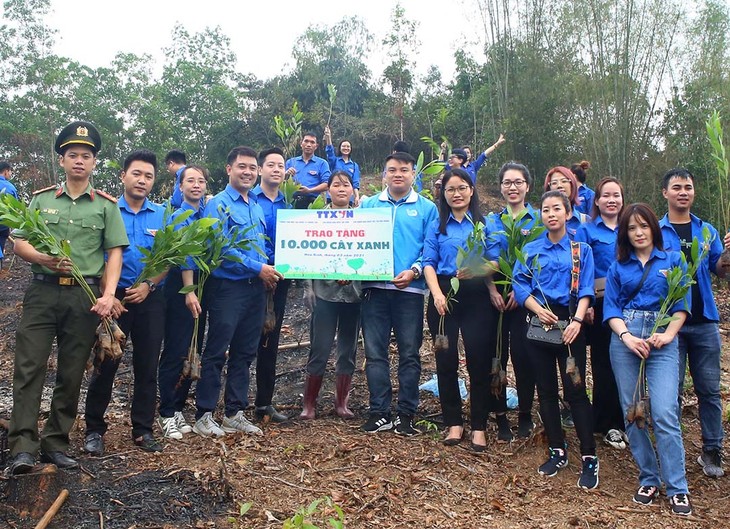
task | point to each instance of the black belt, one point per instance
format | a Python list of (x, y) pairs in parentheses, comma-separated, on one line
[(65, 281)]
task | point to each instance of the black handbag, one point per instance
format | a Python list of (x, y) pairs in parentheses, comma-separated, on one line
[(538, 331)]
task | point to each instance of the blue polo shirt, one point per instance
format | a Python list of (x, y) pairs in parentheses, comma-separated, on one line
[(553, 275), (269, 208), (587, 197), (141, 228), (473, 167), (602, 241), (233, 211), (624, 277), (310, 174), (704, 281), (338, 163), (440, 251), (497, 243)]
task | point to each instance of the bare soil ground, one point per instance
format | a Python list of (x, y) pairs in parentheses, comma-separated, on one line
[(378, 480)]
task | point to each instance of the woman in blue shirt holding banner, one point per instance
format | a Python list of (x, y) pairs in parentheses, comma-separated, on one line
[(636, 284), (469, 311)]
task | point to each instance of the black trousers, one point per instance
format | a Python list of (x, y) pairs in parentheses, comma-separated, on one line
[(544, 357), (607, 412), (473, 315), (179, 324), (269, 347), (144, 323)]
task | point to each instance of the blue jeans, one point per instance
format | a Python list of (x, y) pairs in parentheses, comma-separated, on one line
[(662, 375), (383, 310), (235, 319), (700, 344)]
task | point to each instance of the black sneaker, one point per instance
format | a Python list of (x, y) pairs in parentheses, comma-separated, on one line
[(558, 459), (524, 426), (377, 423), (680, 504), (403, 425), (566, 417), (646, 495), (504, 433), (711, 463), (589, 474)]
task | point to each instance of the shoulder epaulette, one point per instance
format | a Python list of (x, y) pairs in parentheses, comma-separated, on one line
[(49, 188), (105, 195)]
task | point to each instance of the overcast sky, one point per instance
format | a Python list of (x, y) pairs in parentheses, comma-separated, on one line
[(262, 33)]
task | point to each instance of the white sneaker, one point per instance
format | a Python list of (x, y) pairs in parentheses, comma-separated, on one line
[(207, 427), (169, 428), (616, 439), (239, 423), (181, 423)]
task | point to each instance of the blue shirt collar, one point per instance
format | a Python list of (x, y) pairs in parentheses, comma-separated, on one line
[(258, 191), (146, 205), (235, 195)]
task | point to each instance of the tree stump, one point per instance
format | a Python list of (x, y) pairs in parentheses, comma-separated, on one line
[(33, 493)]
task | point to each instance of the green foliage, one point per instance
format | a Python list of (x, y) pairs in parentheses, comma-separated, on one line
[(714, 134), (289, 130), (243, 508), (319, 203), (319, 511), (430, 428)]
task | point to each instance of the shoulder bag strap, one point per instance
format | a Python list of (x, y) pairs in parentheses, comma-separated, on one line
[(641, 283), (574, 276)]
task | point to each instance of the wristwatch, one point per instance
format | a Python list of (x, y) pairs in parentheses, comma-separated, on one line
[(416, 272), (150, 284)]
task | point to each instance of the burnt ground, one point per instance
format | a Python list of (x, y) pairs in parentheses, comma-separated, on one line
[(377, 480)]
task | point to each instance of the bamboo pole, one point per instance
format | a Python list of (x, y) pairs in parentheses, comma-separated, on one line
[(52, 510)]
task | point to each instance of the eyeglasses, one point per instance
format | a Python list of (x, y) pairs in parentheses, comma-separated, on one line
[(556, 183), (509, 183), (460, 189)]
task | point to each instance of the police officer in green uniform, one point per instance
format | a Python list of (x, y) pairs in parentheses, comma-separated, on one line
[(55, 306)]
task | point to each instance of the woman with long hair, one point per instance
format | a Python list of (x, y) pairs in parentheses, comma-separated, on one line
[(600, 234), (645, 360), (546, 290), (466, 311), (515, 183)]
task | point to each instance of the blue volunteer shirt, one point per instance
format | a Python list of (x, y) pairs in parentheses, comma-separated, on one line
[(624, 277), (310, 174), (338, 163), (553, 276), (704, 281), (270, 208), (412, 215), (176, 200), (233, 211), (141, 228), (473, 167), (602, 241), (440, 251), (587, 197), (497, 243)]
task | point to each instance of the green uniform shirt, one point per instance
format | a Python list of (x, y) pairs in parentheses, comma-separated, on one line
[(91, 224)]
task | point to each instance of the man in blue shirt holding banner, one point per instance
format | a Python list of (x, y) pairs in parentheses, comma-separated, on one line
[(398, 304), (235, 295)]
